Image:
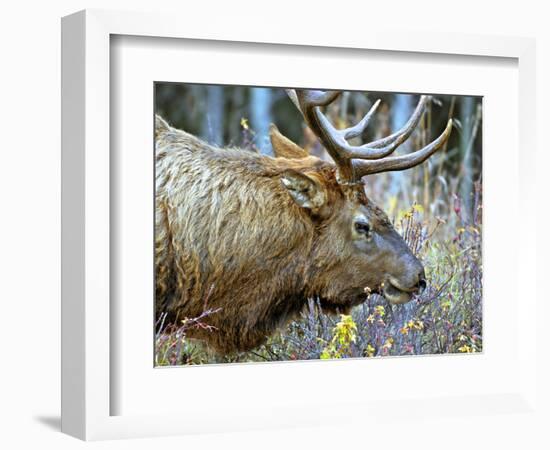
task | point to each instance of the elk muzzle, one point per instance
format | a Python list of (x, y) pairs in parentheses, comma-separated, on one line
[(398, 291)]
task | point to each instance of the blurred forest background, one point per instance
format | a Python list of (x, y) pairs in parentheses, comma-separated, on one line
[(437, 206)]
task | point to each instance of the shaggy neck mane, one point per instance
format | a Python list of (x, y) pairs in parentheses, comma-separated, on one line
[(229, 236)]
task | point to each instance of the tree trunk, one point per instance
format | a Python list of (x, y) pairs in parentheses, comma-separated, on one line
[(212, 127), (466, 182), (260, 118), (402, 108)]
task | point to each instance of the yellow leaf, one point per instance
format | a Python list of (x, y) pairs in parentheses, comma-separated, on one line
[(465, 349), (392, 204), (370, 350)]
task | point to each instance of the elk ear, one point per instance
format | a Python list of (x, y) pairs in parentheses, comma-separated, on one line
[(161, 126), (283, 147), (304, 190)]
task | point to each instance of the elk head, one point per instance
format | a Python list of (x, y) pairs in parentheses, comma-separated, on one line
[(356, 248)]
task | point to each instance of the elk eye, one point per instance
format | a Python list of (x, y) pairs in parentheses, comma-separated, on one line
[(362, 228)]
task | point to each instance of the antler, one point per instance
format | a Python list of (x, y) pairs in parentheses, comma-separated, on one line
[(354, 162)]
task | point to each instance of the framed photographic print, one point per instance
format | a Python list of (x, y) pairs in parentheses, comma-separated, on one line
[(267, 250), (326, 217)]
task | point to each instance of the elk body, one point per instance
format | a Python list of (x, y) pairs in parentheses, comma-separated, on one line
[(254, 236)]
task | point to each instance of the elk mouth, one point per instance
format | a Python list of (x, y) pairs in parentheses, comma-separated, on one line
[(397, 295), (394, 295)]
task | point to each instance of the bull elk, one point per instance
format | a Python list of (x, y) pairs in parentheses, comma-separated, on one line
[(255, 236)]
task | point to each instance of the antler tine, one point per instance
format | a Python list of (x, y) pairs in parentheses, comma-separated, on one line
[(294, 97), (403, 162), (348, 133), (403, 134), (316, 98), (357, 130)]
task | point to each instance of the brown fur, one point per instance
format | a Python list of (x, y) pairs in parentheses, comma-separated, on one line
[(228, 235)]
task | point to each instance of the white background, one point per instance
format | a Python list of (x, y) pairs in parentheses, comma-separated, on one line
[(30, 285)]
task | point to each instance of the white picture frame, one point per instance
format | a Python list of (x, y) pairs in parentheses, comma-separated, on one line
[(87, 329)]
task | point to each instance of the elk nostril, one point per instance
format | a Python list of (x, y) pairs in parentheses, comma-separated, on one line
[(422, 275), (421, 286)]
